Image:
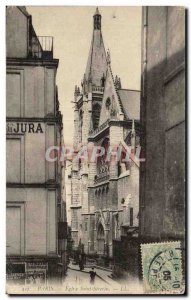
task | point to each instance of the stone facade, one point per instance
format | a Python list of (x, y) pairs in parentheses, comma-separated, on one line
[(36, 217), (105, 195), (162, 175)]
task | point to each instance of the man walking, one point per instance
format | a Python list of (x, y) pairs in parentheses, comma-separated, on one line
[(92, 276)]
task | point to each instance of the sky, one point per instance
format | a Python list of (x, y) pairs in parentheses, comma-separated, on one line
[(72, 28)]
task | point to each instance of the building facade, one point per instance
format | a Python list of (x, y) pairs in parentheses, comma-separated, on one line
[(162, 175), (105, 192), (68, 189), (36, 217)]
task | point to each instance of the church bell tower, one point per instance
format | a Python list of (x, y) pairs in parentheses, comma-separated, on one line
[(87, 108)]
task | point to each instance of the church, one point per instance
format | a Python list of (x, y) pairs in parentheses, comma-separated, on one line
[(105, 194)]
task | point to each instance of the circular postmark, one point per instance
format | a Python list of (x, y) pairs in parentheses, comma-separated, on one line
[(165, 271)]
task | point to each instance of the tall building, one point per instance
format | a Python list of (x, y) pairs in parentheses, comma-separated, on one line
[(105, 194), (36, 218), (162, 175), (68, 189)]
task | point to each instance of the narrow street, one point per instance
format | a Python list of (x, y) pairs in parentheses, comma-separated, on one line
[(79, 278), (82, 278), (79, 281)]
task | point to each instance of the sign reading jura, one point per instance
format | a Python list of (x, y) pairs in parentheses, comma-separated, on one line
[(24, 127)]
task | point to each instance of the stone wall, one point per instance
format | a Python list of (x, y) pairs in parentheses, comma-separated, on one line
[(162, 176)]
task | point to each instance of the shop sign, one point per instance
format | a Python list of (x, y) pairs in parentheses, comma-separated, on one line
[(21, 127)]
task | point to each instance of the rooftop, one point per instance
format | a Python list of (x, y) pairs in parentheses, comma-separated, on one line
[(130, 100)]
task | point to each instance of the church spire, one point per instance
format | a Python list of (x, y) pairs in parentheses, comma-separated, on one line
[(97, 20), (96, 65)]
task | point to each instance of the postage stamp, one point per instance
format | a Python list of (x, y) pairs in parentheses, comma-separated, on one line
[(162, 267)]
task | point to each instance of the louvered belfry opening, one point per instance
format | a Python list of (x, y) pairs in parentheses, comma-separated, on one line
[(96, 114)]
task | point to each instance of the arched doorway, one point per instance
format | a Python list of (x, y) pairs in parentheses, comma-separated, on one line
[(101, 239)]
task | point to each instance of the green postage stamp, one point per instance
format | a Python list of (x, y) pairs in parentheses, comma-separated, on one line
[(162, 267)]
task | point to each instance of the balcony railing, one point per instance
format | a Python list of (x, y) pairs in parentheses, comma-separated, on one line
[(100, 128), (42, 47), (98, 89), (101, 177)]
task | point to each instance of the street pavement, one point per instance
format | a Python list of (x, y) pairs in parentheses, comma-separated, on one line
[(79, 278), (76, 276), (78, 281)]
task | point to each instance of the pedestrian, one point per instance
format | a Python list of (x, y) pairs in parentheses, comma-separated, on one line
[(81, 265), (92, 276)]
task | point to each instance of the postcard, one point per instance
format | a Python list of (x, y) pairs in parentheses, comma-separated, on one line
[(95, 144)]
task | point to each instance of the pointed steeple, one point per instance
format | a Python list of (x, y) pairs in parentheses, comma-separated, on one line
[(97, 20), (96, 64), (97, 12)]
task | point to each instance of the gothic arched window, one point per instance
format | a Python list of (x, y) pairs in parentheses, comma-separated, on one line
[(102, 81), (100, 232), (101, 239), (95, 115), (108, 103), (80, 124), (102, 164)]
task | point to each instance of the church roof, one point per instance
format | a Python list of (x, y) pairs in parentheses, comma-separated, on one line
[(111, 104), (124, 103), (130, 100), (96, 64)]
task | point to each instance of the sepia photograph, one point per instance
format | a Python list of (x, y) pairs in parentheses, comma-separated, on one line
[(95, 150)]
